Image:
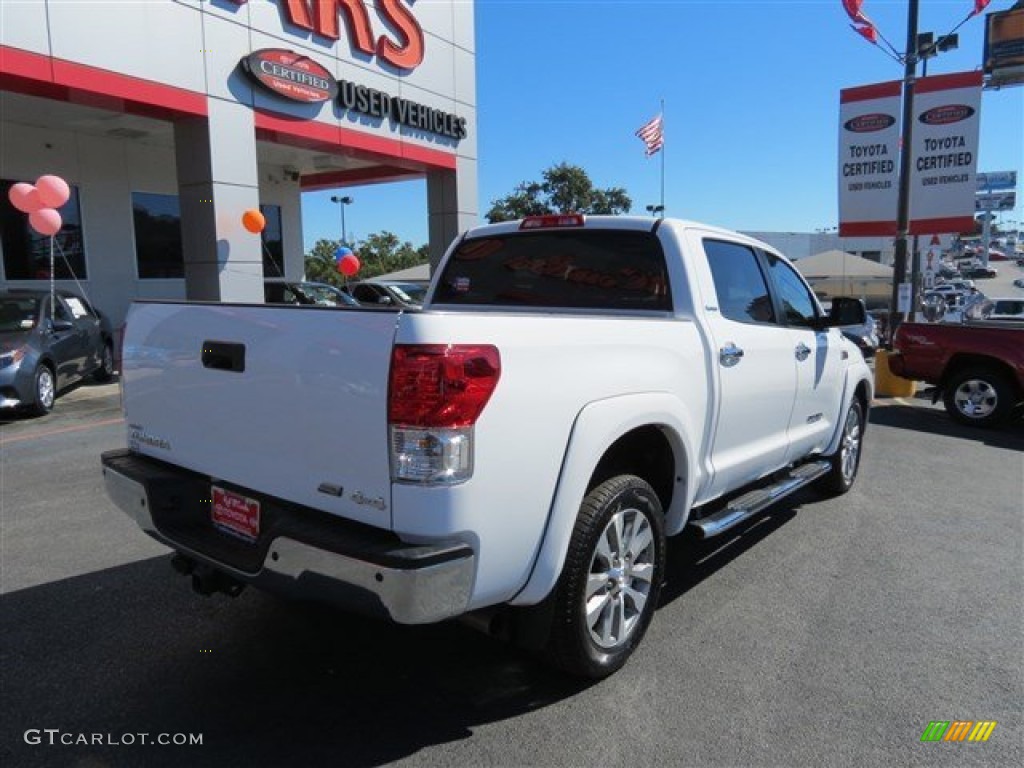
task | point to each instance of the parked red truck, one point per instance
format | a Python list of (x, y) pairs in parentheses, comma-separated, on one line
[(977, 368)]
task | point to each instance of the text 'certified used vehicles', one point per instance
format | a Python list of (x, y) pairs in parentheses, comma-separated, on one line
[(46, 347), (573, 391)]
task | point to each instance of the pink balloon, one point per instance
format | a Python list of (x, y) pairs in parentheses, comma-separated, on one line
[(53, 191), (349, 265), (25, 197), (45, 221)]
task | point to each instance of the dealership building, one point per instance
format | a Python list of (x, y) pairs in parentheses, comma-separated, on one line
[(172, 118)]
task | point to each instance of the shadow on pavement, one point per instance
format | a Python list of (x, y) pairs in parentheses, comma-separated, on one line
[(77, 400), (937, 422), (692, 560), (132, 650)]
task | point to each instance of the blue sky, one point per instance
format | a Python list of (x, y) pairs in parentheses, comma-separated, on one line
[(751, 94)]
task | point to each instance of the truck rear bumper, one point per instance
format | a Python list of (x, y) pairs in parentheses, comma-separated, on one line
[(322, 559)]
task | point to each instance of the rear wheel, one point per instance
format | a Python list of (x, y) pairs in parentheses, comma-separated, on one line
[(611, 580), (105, 372), (846, 461), (45, 390), (981, 397)]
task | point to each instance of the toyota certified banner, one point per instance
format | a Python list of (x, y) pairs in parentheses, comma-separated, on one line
[(869, 135), (945, 153)]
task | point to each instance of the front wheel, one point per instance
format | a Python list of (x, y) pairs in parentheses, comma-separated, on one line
[(845, 463), (611, 580), (978, 396), (45, 390)]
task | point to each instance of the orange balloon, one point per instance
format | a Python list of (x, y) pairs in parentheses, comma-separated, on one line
[(253, 221)]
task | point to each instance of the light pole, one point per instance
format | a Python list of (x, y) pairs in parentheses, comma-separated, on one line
[(656, 210), (342, 201), (899, 266), (927, 48)]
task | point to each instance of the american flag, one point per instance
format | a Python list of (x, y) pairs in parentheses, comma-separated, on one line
[(651, 135)]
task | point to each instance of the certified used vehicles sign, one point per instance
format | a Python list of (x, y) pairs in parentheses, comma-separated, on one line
[(291, 75)]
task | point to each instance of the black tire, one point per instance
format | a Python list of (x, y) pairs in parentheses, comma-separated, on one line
[(619, 515), (979, 397), (845, 462), (105, 372), (45, 390)]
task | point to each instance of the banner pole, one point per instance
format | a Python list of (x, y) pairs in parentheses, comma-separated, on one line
[(906, 150)]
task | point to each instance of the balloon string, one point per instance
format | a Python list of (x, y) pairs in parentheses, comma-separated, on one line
[(71, 270), (53, 284)]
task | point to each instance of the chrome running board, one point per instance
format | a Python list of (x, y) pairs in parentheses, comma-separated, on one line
[(749, 504)]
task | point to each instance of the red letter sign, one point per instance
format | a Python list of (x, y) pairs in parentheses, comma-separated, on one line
[(408, 55)]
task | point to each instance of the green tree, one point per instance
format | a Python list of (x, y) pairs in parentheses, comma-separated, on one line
[(565, 189), (382, 252), (320, 264), (379, 254)]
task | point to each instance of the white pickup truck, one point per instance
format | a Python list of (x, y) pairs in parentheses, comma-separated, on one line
[(574, 390)]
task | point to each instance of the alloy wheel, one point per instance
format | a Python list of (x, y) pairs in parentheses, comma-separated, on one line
[(44, 388), (976, 398), (620, 578), (850, 450)]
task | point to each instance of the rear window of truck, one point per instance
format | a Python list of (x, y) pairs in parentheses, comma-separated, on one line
[(578, 269)]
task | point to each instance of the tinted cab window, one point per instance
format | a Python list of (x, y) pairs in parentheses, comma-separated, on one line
[(739, 282), (571, 269), (798, 304)]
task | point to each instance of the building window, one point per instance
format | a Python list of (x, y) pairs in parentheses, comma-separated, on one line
[(158, 251), (273, 242), (27, 253)]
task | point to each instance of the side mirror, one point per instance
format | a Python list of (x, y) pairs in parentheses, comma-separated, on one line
[(61, 325), (847, 311)]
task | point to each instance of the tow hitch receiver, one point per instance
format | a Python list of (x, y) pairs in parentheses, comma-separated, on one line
[(206, 580)]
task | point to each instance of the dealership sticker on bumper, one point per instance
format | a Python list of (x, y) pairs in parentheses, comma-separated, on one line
[(236, 514)]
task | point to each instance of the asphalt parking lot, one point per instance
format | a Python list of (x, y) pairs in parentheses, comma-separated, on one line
[(824, 633)]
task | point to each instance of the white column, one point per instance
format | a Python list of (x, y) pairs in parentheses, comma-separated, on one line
[(452, 204), (217, 182)]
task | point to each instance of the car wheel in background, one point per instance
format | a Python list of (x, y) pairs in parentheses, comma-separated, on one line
[(105, 372), (45, 390), (980, 397)]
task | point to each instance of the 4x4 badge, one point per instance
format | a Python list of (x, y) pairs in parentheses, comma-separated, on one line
[(377, 502)]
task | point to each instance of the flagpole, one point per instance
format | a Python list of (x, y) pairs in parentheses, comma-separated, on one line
[(663, 158)]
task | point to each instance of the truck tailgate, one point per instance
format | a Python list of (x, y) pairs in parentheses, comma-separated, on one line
[(287, 401)]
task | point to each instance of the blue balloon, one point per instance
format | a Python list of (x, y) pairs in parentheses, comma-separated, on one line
[(341, 253)]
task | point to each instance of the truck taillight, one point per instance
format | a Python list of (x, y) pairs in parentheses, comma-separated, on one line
[(436, 393)]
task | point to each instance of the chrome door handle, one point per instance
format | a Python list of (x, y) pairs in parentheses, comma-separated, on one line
[(802, 351), (729, 355)]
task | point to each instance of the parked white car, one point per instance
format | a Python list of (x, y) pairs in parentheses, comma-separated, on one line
[(1006, 309)]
